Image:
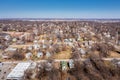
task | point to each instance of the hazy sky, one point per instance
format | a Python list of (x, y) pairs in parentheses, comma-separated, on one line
[(59, 8)]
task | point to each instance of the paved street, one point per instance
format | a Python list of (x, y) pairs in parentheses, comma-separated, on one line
[(58, 60)]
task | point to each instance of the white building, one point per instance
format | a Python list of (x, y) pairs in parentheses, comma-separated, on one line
[(7, 37), (39, 54), (18, 72), (30, 48), (28, 55), (36, 46), (48, 54), (11, 49), (82, 51)]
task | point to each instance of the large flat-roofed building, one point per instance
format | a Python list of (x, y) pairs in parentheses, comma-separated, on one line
[(18, 72)]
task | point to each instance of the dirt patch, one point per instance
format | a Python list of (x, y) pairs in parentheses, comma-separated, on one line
[(63, 55)]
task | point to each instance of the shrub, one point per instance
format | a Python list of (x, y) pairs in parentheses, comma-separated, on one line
[(17, 56)]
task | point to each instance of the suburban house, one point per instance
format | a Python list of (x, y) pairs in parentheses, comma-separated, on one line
[(5, 36)]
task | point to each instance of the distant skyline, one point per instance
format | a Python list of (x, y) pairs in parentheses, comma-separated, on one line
[(59, 8)]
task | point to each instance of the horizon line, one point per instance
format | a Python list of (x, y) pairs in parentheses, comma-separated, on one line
[(56, 18)]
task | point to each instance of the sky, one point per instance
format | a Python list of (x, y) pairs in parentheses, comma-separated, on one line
[(59, 8)]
